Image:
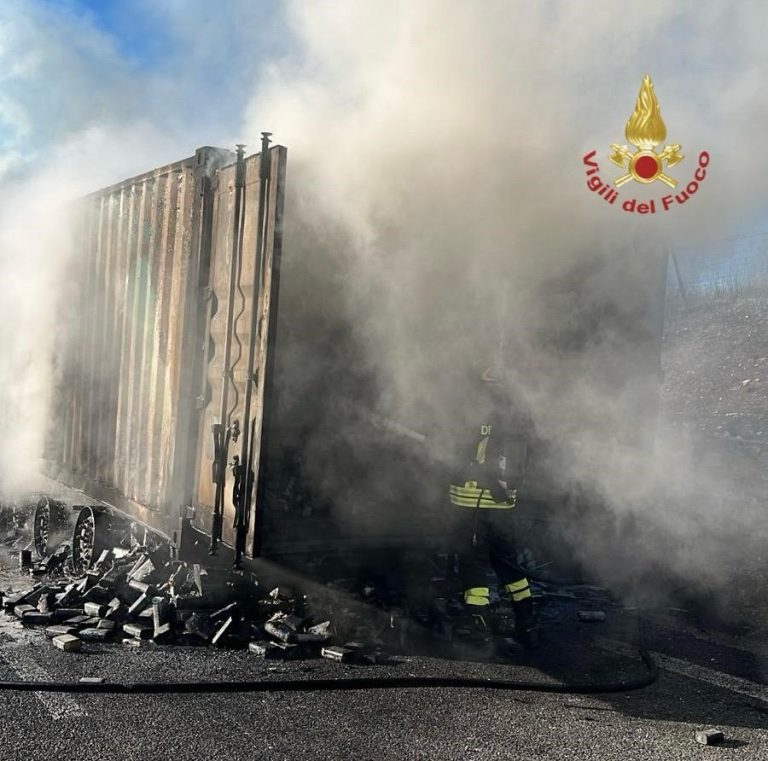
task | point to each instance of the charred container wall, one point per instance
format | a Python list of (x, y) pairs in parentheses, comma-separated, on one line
[(124, 378), (138, 357)]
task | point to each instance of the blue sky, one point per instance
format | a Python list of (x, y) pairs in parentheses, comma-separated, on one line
[(188, 68), (141, 36), (157, 78), (136, 36)]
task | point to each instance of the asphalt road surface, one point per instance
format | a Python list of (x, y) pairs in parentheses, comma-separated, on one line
[(705, 681)]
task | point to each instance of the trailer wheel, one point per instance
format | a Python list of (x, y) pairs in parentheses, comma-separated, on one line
[(51, 518), (42, 526), (93, 529)]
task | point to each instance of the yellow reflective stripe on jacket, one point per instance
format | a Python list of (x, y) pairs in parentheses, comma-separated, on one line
[(482, 448), (470, 495)]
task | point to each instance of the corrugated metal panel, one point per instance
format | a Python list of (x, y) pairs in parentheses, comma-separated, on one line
[(221, 251), (122, 361), (139, 373)]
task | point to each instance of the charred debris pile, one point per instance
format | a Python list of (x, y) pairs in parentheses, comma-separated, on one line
[(142, 596), (133, 590)]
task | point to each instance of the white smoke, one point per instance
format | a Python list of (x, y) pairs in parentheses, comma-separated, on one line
[(75, 114), (435, 154), (435, 164)]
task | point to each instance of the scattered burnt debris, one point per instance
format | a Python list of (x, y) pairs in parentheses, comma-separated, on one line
[(113, 581), (143, 596), (709, 737)]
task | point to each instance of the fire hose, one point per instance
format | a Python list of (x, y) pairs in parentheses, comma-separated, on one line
[(345, 684)]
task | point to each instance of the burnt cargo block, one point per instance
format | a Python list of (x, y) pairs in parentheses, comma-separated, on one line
[(62, 614), (141, 602), (280, 632), (67, 643), (36, 618), (138, 631), (59, 630), (274, 651), (339, 654), (709, 737), (78, 621), (223, 632), (92, 634), (95, 610)]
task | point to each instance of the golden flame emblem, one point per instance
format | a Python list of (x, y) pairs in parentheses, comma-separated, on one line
[(645, 130)]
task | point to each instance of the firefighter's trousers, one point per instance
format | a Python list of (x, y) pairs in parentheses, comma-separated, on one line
[(486, 537)]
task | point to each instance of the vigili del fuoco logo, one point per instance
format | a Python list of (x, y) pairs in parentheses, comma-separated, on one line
[(645, 130)]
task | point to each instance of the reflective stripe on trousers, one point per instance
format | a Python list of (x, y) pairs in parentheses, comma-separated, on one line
[(520, 590), (479, 596)]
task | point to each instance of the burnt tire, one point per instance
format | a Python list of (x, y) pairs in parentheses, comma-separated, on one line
[(51, 519), (92, 535)]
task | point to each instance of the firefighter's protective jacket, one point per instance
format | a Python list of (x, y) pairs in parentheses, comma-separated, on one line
[(494, 463)]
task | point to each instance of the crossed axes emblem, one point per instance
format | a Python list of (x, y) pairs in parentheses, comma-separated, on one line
[(645, 165)]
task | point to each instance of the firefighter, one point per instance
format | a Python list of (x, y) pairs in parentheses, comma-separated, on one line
[(483, 493)]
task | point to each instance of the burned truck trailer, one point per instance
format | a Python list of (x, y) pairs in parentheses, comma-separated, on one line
[(176, 360), (170, 350), (140, 354)]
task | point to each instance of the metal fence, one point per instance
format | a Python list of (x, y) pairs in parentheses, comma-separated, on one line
[(726, 269)]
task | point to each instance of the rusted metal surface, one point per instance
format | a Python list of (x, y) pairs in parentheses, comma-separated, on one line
[(122, 358), (141, 324), (221, 251)]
